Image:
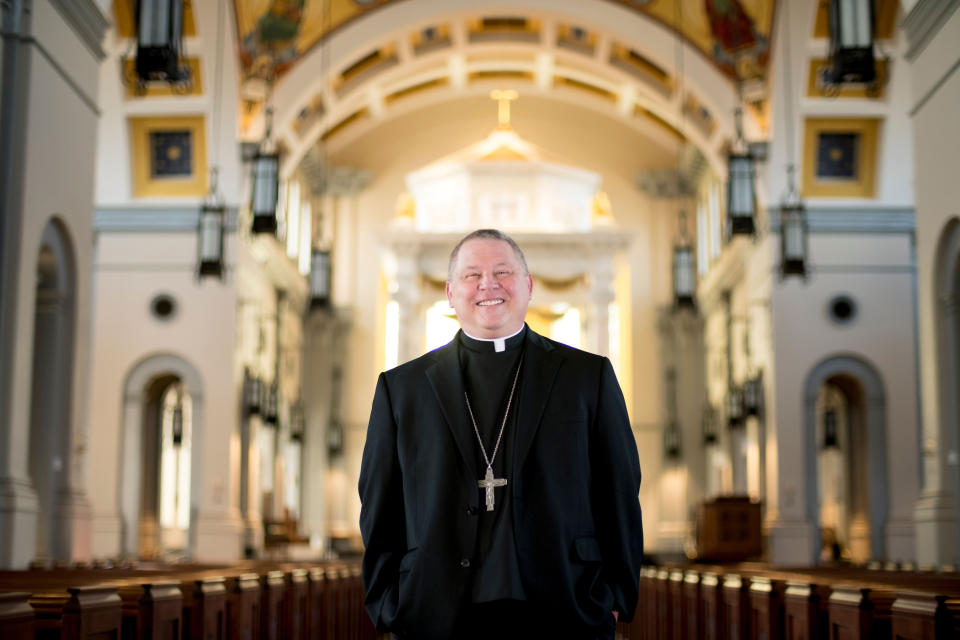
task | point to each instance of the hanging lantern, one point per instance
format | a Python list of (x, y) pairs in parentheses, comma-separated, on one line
[(735, 407), (752, 392), (335, 438), (298, 423), (793, 240), (830, 429), (671, 441), (177, 420), (266, 169), (271, 403), (741, 200), (683, 277), (851, 41), (253, 394), (709, 423), (319, 278), (210, 240), (159, 34)]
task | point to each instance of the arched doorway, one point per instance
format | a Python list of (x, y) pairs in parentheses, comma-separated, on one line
[(161, 442), (51, 392), (846, 460)]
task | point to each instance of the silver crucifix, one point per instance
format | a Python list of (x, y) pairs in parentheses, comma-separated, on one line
[(488, 483)]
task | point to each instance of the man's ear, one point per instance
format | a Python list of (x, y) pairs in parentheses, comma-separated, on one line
[(530, 284), (449, 295)]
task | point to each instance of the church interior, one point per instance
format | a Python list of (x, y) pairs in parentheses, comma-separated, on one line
[(222, 219)]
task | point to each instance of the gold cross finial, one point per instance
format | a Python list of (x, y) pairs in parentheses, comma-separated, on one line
[(503, 98)]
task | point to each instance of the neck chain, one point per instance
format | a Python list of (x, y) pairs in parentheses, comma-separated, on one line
[(489, 482)]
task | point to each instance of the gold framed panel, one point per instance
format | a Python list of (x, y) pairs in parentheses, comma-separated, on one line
[(146, 182), (862, 179), (846, 90), (155, 89)]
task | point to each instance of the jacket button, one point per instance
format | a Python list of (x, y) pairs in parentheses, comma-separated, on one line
[(465, 563), (471, 511)]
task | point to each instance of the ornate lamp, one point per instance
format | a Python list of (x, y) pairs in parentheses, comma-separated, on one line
[(263, 200), (319, 278), (177, 423), (671, 441), (709, 422), (210, 240), (735, 407), (741, 199), (271, 403), (253, 394), (684, 269), (159, 33), (298, 423), (334, 438), (851, 42), (830, 429), (793, 240), (752, 392)]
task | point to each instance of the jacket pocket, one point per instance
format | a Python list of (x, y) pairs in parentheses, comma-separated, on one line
[(587, 549)]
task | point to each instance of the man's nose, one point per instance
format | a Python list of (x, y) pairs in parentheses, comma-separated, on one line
[(488, 280)]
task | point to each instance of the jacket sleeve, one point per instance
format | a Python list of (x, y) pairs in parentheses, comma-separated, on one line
[(615, 470), (382, 523)]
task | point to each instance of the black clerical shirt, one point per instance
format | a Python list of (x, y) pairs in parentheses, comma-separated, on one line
[(488, 376)]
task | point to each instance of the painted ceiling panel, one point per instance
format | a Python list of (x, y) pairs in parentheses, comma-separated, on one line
[(733, 33)]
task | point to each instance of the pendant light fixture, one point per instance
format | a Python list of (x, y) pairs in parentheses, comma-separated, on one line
[(159, 42), (212, 222), (793, 215), (684, 267)]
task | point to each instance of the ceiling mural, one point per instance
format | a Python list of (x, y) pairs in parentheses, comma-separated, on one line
[(734, 34)]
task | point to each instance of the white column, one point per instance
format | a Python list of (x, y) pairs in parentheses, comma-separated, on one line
[(936, 511), (597, 322), (405, 291)]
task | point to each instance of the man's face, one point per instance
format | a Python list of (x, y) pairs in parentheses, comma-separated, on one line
[(489, 290)]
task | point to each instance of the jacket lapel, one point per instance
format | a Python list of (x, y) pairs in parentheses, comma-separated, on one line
[(539, 372), (447, 384)]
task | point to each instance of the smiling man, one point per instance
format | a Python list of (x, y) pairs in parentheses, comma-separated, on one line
[(500, 475)]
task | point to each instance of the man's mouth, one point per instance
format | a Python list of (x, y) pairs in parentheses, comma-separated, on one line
[(490, 303)]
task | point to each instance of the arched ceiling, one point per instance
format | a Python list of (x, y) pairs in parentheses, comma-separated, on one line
[(728, 32)]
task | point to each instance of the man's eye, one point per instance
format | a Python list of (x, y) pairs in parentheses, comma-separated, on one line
[(471, 276), (503, 273)]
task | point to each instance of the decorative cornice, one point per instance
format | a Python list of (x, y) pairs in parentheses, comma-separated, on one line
[(853, 219), (147, 219), (924, 21), (86, 19)]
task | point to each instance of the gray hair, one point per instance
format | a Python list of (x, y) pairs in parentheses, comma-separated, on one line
[(489, 234)]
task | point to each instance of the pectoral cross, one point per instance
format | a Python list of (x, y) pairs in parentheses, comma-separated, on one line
[(488, 483)]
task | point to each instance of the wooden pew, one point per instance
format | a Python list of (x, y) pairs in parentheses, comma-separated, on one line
[(16, 616), (693, 611), (713, 620), (766, 608), (317, 603), (204, 608), (152, 610), (295, 603), (859, 613), (805, 610), (243, 606), (271, 604), (675, 601), (736, 611)]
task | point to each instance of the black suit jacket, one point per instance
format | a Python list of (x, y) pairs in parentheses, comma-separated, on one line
[(576, 476)]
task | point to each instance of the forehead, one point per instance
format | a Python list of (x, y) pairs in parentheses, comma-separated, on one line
[(481, 252)]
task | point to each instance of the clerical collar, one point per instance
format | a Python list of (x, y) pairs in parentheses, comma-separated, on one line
[(505, 343)]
